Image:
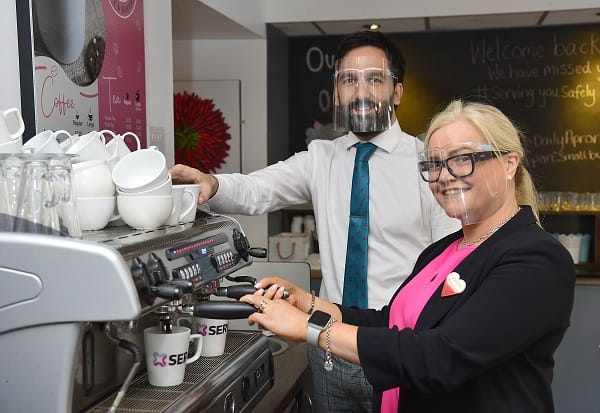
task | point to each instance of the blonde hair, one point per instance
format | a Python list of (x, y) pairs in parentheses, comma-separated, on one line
[(499, 132)]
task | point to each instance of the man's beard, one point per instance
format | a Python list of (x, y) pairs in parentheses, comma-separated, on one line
[(376, 120)]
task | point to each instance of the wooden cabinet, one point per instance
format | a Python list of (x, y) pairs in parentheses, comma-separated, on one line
[(578, 222)]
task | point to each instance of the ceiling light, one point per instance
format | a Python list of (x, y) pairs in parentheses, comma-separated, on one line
[(373, 26)]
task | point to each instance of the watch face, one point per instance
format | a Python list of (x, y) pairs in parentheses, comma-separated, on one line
[(319, 318)]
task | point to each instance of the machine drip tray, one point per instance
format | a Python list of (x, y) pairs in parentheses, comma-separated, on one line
[(232, 382)]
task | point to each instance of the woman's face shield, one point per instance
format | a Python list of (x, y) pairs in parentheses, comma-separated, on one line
[(466, 179), (363, 94)]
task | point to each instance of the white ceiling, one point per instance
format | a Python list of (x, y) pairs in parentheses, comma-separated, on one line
[(193, 19), (490, 21)]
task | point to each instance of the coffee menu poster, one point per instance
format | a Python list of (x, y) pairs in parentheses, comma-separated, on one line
[(89, 70)]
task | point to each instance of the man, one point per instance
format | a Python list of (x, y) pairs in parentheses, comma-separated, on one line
[(403, 217)]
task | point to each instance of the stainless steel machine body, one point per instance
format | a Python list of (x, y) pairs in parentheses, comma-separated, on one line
[(68, 304)]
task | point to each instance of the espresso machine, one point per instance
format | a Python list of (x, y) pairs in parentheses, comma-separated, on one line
[(72, 314)]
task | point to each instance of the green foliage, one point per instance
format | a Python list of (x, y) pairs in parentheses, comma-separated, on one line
[(186, 138)]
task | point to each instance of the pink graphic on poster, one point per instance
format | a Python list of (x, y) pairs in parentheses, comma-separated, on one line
[(89, 66), (121, 86)]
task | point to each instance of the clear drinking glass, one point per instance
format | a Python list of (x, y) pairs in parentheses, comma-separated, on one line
[(60, 166), (10, 175), (37, 203)]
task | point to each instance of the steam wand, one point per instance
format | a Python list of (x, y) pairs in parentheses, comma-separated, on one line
[(137, 360)]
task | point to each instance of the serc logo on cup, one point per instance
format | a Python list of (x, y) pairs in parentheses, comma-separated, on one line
[(206, 330), (165, 360)]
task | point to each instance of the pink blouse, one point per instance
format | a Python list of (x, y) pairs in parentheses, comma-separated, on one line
[(410, 301)]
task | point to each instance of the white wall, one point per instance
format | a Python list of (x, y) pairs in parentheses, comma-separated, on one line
[(249, 13), (10, 96), (245, 60), (159, 71)]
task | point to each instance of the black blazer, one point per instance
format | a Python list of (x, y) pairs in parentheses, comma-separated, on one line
[(488, 349)]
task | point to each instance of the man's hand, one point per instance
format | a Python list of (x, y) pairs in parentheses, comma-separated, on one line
[(183, 174)]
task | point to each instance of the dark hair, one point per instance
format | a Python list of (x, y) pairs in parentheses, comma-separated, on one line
[(378, 40)]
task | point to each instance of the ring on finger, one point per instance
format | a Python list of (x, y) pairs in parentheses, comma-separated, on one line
[(262, 305)]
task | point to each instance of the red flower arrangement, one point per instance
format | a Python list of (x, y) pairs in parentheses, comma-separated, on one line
[(200, 133)]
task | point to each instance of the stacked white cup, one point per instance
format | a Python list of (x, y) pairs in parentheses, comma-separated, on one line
[(96, 153), (11, 138), (95, 190), (93, 158), (118, 145), (46, 142), (91, 147), (144, 188), (96, 200)]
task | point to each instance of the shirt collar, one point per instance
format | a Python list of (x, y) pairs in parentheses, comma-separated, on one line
[(386, 140)]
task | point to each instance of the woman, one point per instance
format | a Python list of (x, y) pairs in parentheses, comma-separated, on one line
[(475, 326)]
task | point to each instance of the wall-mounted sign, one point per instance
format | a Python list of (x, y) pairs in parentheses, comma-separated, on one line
[(88, 65), (547, 79)]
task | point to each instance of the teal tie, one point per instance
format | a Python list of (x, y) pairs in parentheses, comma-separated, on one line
[(355, 275)]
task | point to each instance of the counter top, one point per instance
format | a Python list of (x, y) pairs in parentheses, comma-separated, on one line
[(289, 368), (587, 281)]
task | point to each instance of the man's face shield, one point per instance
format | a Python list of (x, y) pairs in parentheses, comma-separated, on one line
[(363, 95), (466, 179)]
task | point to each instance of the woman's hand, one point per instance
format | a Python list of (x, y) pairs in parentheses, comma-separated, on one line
[(277, 315), (271, 287)]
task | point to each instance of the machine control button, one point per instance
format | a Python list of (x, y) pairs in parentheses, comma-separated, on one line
[(156, 269), (259, 375), (224, 260), (241, 244), (141, 280), (191, 271), (229, 403), (246, 387)]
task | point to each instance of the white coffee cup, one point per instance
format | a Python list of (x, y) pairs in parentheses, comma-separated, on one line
[(13, 146), (90, 147), (45, 142), (62, 26), (213, 331), (93, 179), (119, 145), (167, 354), (140, 170), (65, 144), (164, 188), (5, 133), (96, 213), (195, 191), (145, 212), (297, 223), (183, 203)]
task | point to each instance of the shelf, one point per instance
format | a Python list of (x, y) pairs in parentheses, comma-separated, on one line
[(567, 222), (564, 222)]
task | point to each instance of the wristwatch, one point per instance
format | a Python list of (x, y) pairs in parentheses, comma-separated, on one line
[(317, 322)]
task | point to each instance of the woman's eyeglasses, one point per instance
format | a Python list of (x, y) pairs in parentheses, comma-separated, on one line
[(459, 166)]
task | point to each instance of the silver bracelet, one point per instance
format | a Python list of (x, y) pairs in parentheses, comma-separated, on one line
[(328, 364), (312, 302)]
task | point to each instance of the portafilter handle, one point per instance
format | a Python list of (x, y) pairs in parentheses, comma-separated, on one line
[(238, 291), (235, 291), (223, 310)]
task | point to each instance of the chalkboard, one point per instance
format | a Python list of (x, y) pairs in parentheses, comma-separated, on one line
[(547, 80)]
